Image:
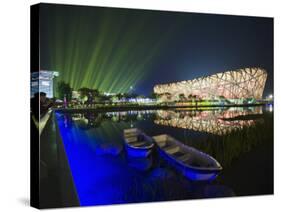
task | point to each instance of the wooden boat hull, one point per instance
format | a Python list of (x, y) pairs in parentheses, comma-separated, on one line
[(190, 173), (138, 151), (199, 172)]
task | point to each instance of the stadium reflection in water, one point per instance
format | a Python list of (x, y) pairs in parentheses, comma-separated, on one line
[(104, 174), (217, 122)]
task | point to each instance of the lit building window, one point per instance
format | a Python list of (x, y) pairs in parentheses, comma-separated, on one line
[(42, 81)]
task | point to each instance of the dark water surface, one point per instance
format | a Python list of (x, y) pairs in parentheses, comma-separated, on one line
[(241, 139)]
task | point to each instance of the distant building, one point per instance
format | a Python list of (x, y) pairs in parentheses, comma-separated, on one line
[(231, 85), (42, 81)]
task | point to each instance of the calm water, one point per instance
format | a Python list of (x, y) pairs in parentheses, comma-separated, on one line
[(241, 139)]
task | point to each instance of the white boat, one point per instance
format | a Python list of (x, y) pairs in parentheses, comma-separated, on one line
[(194, 164), (138, 144)]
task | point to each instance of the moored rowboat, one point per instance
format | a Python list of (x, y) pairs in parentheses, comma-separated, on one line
[(194, 164), (138, 144)]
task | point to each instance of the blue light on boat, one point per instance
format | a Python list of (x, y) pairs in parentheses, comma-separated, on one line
[(197, 176), (137, 152)]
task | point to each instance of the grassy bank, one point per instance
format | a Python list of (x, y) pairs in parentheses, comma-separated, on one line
[(227, 148)]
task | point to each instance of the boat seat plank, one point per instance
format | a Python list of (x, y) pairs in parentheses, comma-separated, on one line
[(171, 149), (184, 157), (132, 139), (162, 144), (139, 143), (128, 135)]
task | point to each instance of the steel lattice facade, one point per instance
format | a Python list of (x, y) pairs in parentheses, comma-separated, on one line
[(238, 84)]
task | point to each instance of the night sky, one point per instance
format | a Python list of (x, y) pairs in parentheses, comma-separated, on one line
[(114, 49)]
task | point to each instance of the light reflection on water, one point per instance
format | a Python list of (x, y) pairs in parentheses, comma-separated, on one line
[(218, 122), (269, 108), (104, 174)]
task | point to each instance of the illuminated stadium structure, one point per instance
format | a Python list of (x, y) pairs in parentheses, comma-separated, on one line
[(232, 85)]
